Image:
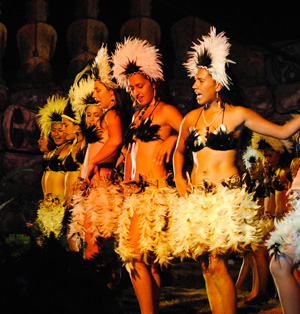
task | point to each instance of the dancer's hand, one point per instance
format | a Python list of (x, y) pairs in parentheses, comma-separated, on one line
[(183, 187), (164, 150)]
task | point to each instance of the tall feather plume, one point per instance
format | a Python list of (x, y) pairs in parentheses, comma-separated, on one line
[(210, 53), (101, 68), (51, 112), (136, 56)]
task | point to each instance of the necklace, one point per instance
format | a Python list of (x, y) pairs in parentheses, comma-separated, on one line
[(214, 119)]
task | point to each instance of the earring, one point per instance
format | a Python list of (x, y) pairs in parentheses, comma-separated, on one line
[(113, 101), (217, 100)]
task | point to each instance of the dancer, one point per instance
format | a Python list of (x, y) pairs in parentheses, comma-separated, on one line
[(143, 227), (278, 157), (52, 208), (215, 214), (284, 245), (96, 209), (71, 121)]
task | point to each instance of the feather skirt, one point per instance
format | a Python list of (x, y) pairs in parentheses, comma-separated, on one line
[(98, 208), (216, 220), (285, 238), (50, 215), (153, 207)]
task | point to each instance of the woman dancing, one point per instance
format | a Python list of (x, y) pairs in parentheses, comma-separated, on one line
[(143, 224), (216, 215)]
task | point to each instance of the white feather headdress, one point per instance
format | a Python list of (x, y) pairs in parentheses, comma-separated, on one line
[(51, 113), (250, 157), (136, 56), (261, 142), (101, 68), (210, 53)]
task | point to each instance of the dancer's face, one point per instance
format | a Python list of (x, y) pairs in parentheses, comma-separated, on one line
[(272, 158), (42, 142), (93, 114), (70, 129), (103, 95), (141, 89), (58, 134), (205, 87)]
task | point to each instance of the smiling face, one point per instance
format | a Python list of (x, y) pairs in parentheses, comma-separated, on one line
[(58, 133), (205, 87), (92, 115), (70, 129), (141, 88), (102, 95)]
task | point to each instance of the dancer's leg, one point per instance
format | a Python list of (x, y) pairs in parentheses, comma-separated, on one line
[(223, 282), (144, 278), (287, 286)]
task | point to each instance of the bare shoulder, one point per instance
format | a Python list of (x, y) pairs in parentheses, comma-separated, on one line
[(165, 107), (239, 112)]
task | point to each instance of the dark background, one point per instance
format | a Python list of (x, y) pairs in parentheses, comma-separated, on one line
[(256, 23)]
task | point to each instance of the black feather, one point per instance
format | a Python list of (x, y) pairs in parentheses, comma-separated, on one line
[(204, 60), (131, 68), (222, 140), (55, 117), (147, 132), (92, 134), (190, 141)]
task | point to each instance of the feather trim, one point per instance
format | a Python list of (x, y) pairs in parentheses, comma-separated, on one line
[(136, 56), (211, 53)]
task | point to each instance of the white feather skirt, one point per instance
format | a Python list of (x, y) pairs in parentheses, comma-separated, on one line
[(285, 238), (98, 208), (153, 205), (215, 220), (50, 215)]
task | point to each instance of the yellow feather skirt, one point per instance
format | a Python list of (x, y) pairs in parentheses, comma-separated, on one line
[(50, 215)]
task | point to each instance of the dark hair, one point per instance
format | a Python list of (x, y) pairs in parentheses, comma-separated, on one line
[(235, 95)]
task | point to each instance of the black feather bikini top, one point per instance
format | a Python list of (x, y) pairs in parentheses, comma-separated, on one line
[(145, 131), (220, 139), (56, 164)]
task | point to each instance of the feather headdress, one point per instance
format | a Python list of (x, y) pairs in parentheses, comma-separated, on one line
[(210, 53), (71, 114), (262, 142), (136, 56), (51, 112), (82, 95), (250, 157), (101, 68)]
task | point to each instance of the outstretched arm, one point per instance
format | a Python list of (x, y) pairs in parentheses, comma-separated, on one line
[(258, 124)]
